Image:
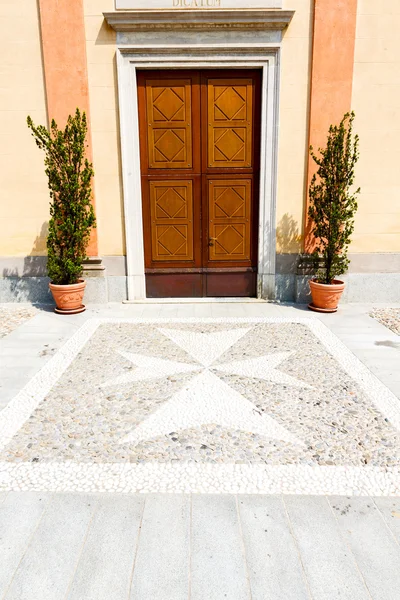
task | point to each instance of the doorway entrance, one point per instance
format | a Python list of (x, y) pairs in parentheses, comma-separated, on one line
[(199, 146)]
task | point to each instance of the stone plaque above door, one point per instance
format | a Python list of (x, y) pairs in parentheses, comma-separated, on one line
[(196, 4)]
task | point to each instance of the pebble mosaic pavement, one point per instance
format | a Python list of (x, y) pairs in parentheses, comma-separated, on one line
[(389, 317), (12, 317), (266, 405)]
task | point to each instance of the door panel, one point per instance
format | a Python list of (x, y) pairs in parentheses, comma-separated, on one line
[(174, 285), (230, 225), (169, 124), (199, 146), (231, 284), (171, 206), (230, 116)]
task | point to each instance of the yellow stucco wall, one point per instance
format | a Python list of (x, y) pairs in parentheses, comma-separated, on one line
[(24, 197), (376, 102), (102, 75), (293, 126)]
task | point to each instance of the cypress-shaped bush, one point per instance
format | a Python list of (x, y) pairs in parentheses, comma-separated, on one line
[(69, 175), (333, 203)]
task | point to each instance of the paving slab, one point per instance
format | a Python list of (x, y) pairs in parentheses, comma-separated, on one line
[(393, 385), (274, 565), (8, 390), (201, 310), (49, 562), (218, 567), (104, 571), (378, 359), (375, 549), (330, 566), (390, 511), (20, 515), (162, 564), (13, 316), (374, 341)]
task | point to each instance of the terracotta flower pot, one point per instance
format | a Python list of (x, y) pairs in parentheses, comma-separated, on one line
[(325, 297), (68, 298)]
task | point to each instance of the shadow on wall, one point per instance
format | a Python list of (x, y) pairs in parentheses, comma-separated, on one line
[(288, 238), (28, 283), (288, 245)]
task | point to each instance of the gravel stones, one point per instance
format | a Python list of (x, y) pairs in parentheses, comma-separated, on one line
[(85, 419), (330, 426), (12, 316), (389, 317)]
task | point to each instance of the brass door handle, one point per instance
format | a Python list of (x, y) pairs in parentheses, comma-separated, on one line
[(211, 241)]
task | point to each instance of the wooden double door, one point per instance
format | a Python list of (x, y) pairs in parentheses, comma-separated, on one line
[(199, 140)]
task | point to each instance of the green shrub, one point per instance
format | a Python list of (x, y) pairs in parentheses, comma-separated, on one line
[(332, 204), (69, 176)]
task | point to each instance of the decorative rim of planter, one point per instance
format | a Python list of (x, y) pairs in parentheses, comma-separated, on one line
[(336, 283), (59, 286)]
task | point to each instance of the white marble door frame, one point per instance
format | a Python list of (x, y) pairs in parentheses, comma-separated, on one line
[(132, 58)]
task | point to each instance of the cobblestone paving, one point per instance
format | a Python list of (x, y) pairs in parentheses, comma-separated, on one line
[(98, 402), (389, 317), (13, 316), (208, 395)]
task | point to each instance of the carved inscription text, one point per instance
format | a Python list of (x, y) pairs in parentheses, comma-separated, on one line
[(196, 3)]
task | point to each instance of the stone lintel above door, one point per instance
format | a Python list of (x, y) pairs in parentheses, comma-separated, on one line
[(199, 19), (195, 4)]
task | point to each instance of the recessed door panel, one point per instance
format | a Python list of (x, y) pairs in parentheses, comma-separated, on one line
[(171, 209), (230, 219), (169, 124), (230, 115)]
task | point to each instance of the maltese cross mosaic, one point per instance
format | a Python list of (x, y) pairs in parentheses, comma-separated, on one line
[(207, 399), (206, 406)]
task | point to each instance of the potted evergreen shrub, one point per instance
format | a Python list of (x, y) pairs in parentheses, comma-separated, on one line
[(72, 216), (333, 205)]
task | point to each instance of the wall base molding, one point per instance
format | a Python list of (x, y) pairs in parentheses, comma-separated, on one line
[(23, 279), (283, 287)]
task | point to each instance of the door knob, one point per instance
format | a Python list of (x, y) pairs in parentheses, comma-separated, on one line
[(211, 241)]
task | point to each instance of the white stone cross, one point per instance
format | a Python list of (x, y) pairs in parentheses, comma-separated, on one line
[(207, 399)]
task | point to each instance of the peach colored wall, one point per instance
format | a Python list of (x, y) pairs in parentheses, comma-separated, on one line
[(64, 59), (102, 76), (376, 102), (331, 73), (24, 198), (293, 126)]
